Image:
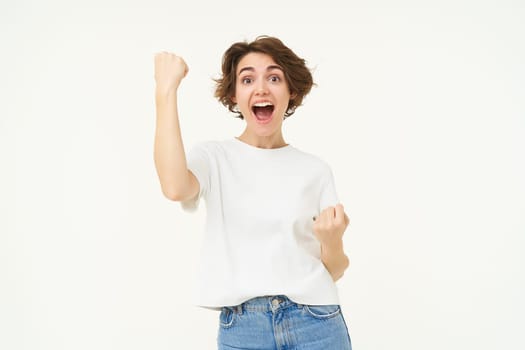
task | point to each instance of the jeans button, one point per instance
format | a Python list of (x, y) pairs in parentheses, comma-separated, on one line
[(275, 302)]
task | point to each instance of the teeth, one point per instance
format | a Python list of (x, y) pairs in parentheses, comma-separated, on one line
[(262, 104)]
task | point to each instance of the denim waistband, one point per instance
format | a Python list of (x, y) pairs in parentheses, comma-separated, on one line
[(264, 304)]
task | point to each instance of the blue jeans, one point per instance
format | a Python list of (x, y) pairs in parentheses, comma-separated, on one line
[(277, 323)]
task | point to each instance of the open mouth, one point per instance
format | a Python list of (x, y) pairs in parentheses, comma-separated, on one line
[(263, 111)]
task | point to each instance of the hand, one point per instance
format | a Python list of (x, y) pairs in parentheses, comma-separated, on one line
[(330, 225), (170, 69)]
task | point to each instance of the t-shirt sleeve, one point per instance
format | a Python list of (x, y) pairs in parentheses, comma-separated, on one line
[(329, 196), (198, 162)]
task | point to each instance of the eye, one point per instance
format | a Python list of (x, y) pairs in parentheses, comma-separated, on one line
[(275, 79), (246, 80)]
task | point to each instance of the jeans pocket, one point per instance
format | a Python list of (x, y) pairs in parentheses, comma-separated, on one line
[(226, 317), (323, 312)]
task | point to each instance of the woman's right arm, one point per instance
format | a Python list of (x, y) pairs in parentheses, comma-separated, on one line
[(177, 182)]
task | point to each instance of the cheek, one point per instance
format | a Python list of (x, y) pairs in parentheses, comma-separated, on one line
[(241, 96)]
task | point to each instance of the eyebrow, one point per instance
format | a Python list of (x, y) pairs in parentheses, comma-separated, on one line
[(251, 69)]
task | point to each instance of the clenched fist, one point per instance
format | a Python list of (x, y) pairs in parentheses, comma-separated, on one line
[(330, 225), (170, 69)]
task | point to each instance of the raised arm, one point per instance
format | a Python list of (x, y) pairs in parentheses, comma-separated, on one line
[(177, 182)]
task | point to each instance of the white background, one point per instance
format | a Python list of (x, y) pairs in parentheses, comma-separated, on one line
[(419, 109)]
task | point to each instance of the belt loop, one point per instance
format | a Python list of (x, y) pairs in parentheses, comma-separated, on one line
[(239, 309)]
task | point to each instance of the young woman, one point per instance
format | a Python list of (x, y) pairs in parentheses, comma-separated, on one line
[(272, 248)]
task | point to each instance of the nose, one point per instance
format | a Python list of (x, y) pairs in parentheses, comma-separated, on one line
[(261, 88)]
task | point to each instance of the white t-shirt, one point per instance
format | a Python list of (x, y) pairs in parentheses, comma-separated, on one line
[(258, 237)]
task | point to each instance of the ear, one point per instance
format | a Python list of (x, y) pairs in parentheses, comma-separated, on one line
[(293, 95), (233, 99)]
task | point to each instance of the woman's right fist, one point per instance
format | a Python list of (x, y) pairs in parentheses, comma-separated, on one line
[(170, 69)]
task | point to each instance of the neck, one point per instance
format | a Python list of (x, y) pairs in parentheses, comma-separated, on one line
[(271, 141)]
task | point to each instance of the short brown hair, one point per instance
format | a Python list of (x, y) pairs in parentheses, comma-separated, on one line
[(297, 75)]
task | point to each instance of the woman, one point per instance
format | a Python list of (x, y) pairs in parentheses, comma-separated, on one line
[(272, 248)]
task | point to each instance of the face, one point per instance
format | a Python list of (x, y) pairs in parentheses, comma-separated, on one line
[(261, 94)]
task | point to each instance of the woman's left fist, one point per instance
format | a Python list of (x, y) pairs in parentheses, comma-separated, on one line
[(330, 225)]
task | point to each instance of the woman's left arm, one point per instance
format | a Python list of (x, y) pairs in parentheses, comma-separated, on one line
[(329, 228)]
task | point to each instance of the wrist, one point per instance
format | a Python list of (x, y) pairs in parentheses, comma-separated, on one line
[(334, 259), (165, 92), (333, 247), (332, 253)]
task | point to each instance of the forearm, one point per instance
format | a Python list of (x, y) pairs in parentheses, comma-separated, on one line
[(169, 155), (334, 259)]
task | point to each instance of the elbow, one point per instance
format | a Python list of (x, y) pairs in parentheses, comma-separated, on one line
[(180, 190), (346, 263), (172, 194), (176, 194)]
